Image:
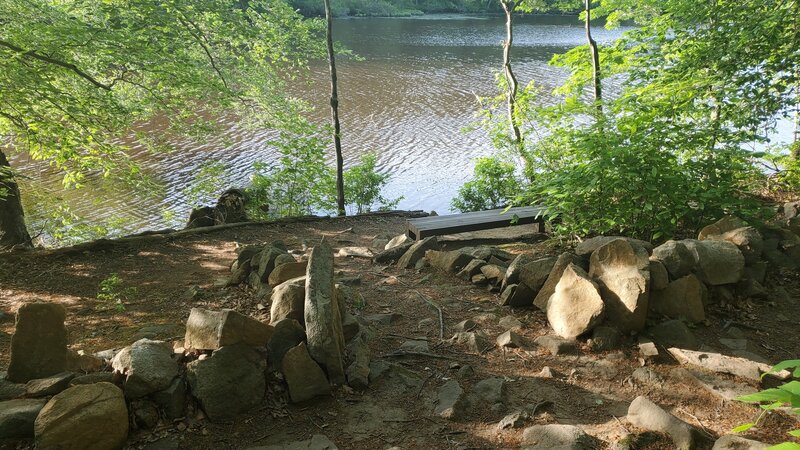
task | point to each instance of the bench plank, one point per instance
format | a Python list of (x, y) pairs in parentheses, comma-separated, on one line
[(423, 227)]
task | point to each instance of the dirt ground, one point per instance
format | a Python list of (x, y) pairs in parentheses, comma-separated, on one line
[(397, 410)]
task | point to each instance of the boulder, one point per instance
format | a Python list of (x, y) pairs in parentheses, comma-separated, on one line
[(556, 437), (720, 227), (733, 442), (416, 252), (683, 298), (147, 367), (450, 401), (286, 272), (515, 269), (676, 258), (517, 295), (51, 385), (230, 382), (288, 334), (17, 417), (717, 262), (78, 362), (240, 272), (535, 273), (81, 417), (210, 330), (673, 333), (322, 315), (471, 269), (589, 246), (9, 390), (288, 301), (493, 273), (549, 286), (448, 262), (645, 414), (392, 254), (576, 306), (488, 392), (659, 277), (747, 239), (39, 342), (304, 377), (623, 274), (266, 261)]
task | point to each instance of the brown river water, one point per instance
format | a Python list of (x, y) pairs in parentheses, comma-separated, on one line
[(407, 98)]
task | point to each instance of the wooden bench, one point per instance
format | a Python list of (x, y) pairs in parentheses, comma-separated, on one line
[(423, 227)]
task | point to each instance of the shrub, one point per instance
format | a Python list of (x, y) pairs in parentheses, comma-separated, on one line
[(493, 185), (363, 185), (786, 395), (112, 290)]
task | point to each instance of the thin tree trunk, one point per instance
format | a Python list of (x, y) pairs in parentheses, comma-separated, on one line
[(12, 218), (337, 141), (511, 81), (598, 95)]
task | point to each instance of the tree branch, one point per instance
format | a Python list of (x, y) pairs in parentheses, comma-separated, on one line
[(69, 66)]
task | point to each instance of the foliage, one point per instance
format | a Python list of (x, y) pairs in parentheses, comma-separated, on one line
[(77, 75), (402, 8), (206, 185), (493, 185), (363, 185), (701, 82), (299, 183), (786, 395), (112, 290)]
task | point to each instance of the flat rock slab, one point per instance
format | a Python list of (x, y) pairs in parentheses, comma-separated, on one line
[(732, 442), (39, 343), (450, 401), (416, 252), (44, 387), (733, 365), (211, 330)]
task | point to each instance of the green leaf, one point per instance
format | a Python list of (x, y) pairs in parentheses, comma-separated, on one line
[(743, 428)]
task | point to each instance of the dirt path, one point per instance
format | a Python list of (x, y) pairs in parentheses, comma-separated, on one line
[(396, 410)]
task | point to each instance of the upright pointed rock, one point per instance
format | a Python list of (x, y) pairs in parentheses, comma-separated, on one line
[(623, 273)]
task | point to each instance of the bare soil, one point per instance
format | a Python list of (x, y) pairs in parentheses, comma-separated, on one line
[(396, 410)]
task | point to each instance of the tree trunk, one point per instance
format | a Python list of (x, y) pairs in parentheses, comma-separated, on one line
[(12, 219), (511, 81), (598, 95), (337, 141)]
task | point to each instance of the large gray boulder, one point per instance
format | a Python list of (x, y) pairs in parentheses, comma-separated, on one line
[(683, 298), (288, 301), (676, 258), (210, 330), (556, 437), (89, 416), (39, 343), (416, 252), (623, 274), (549, 286), (230, 382), (717, 262), (323, 316), (515, 268), (266, 261), (448, 262), (147, 366), (304, 377), (645, 414), (535, 273), (17, 417), (287, 271), (747, 239), (576, 305)]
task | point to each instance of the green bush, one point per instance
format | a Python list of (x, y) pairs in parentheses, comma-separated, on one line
[(300, 183), (112, 290), (493, 185), (363, 186), (786, 395)]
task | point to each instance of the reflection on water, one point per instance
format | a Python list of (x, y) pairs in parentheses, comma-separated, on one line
[(408, 100)]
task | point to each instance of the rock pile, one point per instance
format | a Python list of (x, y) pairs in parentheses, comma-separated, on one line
[(222, 367)]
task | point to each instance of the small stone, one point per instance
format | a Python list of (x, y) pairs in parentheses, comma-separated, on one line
[(465, 325), (383, 319), (392, 254), (358, 370), (646, 376), (479, 279), (145, 414), (513, 420), (466, 372), (718, 262), (494, 274), (510, 323), (715, 362), (556, 437), (647, 349), (645, 414), (414, 345), (425, 323), (77, 362), (733, 344), (676, 258), (288, 301), (9, 390), (475, 342), (548, 372), (556, 345), (589, 246), (397, 241), (355, 252), (605, 338), (288, 334), (509, 339), (44, 387), (450, 401), (517, 295), (659, 277)]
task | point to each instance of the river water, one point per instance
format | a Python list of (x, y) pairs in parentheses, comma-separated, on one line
[(407, 98)]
